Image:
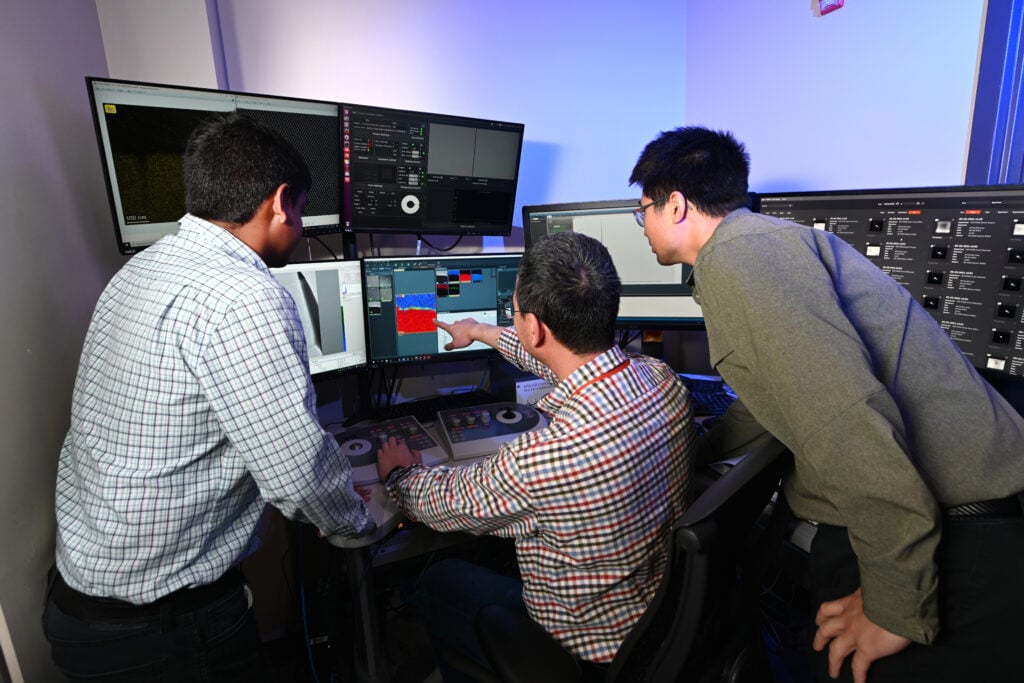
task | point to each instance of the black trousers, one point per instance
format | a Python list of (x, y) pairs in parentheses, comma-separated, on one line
[(204, 634), (981, 604)]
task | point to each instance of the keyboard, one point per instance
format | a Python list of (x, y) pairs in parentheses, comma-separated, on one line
[(709, 395), (711, 403)]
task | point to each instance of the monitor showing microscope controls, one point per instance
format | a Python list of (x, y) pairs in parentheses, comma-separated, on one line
[(329, 298), (653, 295), (420, 173), (405, 294), (958, 250)]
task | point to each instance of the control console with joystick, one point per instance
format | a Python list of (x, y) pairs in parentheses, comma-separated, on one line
[(479, 430)]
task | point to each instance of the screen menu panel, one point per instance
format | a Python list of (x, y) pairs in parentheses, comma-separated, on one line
[(414, 172), (958, 250)]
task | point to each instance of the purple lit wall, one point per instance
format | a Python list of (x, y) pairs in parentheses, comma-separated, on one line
[(592, 81), (876, 94)]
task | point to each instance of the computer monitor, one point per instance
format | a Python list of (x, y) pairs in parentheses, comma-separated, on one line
[(958, 250), (404, 294), (652, 295), (420, 173), (329, 297), (142, 129)]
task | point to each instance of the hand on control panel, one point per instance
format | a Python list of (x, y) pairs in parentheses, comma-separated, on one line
[(395, 453)]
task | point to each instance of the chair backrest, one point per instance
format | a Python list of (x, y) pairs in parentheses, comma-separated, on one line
[(703, 612)]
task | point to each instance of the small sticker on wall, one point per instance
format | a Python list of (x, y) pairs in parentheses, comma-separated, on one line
[(823, 7)]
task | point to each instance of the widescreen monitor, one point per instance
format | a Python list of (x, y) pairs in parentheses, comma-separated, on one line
[(329, 298), (958, 250), (142, 129), (404, 294), (652, 295), (414, 172)]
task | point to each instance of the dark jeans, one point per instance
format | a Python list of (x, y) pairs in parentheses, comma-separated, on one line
[(981, 603), (209, 635), (448, 595)]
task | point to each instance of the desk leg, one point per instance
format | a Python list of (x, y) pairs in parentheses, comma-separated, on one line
[(368, 647)]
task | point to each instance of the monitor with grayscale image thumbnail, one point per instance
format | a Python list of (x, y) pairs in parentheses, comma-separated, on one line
[(329, 298)]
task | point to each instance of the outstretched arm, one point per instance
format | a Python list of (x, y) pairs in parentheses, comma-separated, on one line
[(466, 331)]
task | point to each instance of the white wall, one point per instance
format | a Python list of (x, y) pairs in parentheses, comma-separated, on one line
[(876, 94), (58, 253), (159, 42)]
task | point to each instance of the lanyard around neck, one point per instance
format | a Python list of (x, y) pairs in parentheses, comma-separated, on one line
[(604, 375)]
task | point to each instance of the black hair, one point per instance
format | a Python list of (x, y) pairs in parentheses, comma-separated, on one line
[(233, 163), (568, 280), (710, 168)]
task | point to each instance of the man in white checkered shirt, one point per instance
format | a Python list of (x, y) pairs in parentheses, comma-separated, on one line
[(193, 408), (590, 499)]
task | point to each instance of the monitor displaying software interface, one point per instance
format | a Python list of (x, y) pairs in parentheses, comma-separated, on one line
[(405, 294), (958, 250), (143, 128), (329, 297), (415, 172), (651, 293)]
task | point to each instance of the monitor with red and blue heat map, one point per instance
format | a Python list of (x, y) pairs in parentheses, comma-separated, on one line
[(405, 294)]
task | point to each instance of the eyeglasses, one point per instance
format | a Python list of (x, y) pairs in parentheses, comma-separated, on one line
[(641, 211), (509, 311)]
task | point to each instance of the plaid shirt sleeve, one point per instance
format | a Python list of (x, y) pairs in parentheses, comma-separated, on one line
[(486, 497), (513, 351)]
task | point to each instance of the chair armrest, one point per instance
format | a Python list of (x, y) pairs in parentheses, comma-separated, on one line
[(521, 651)]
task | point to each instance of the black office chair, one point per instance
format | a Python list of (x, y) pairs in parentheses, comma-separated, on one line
[(701, 625)]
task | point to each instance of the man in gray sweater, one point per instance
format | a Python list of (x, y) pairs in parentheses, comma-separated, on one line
[(892, 429)]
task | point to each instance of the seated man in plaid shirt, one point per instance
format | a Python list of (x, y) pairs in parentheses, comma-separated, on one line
[(589, 499)]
